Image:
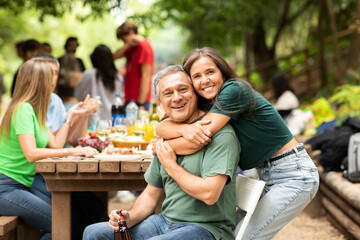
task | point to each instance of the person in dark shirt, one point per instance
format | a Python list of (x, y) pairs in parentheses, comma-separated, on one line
[(71, 69), (26, 50)]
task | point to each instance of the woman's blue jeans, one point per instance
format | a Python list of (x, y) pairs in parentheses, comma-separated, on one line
[(291, 183), (154, 227), (18, 200)]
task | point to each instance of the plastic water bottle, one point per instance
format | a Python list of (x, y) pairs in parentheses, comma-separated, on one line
[(131, 112), (117, 108), (95, 117)]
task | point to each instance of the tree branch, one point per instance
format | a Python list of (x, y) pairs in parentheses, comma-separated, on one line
[(282, 24), (285, 20)]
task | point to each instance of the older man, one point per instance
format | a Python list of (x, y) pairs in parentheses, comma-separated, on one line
[(201, 203)]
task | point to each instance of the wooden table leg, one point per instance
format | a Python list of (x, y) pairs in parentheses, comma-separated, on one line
[(61, 216)]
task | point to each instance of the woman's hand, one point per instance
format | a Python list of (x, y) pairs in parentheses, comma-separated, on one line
[(165, 153), (84, 151), (78, 109), (196, 133), (92, 105)]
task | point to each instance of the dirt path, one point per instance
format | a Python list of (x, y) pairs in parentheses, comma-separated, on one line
[(303, 227)]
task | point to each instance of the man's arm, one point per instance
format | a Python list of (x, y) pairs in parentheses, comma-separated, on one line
[(146, 74), (144, 205), (206, 189), (121, 51)]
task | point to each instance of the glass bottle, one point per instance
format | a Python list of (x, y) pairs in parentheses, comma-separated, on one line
[(117, 108), (132, 112), (154, 117), (123, 233)]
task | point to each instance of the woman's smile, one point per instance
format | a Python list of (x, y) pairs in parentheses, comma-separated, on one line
[(207, 77)]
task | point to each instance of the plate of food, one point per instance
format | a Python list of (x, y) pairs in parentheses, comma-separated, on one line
[(114, 153), (129, 142), (117, 157)]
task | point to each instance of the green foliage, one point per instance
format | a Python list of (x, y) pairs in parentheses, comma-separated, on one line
[(58, 8), (14, 28), (347, 100)]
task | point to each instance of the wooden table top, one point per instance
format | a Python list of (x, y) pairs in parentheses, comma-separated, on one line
[(91, 165)]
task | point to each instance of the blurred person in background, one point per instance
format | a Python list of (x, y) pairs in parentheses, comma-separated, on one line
[(27, 50), (19, 49), (47, 47), (284, 98), (71, 69), (102, 80), (139, 64)]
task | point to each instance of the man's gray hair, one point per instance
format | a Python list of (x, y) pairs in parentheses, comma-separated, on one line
[(48, 58), (166, 71)]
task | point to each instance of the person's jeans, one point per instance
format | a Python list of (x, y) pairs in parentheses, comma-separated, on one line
[(18, 200), (291, 183), (154, 227)]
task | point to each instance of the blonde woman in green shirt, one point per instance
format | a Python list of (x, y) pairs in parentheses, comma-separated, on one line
[(266, 142), (25, 139)]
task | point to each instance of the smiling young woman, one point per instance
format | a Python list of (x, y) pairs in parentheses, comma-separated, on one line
[(266, 142)]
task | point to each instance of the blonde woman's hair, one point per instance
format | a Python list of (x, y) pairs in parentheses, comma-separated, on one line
[(33, 85)]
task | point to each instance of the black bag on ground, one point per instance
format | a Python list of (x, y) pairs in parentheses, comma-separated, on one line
[(334, 143), (336, 149)]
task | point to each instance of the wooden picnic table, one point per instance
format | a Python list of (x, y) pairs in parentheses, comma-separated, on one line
[(66, 175)]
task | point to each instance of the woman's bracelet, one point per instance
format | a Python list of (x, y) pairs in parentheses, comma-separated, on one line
[(68, 121)]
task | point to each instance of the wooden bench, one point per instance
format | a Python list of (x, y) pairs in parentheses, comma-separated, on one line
[(8, 225), (340, 199), (12, 228)]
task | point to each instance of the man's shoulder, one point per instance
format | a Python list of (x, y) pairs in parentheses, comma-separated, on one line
[(227, 129), (55, 100), (145, 44)]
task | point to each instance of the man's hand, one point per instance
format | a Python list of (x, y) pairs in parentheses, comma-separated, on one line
[(196, 133), (165, 153), (153, 143), (114, 218)]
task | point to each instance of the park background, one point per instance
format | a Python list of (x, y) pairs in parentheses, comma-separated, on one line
[(316, 43)]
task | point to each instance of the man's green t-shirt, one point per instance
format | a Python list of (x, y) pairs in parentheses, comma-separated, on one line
[(13, 162), (220, 156), (258, 126)]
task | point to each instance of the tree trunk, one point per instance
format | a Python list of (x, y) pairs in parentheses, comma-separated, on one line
[(339, 79), (247, 51), (354, 48), (322, 61), (263, 55)]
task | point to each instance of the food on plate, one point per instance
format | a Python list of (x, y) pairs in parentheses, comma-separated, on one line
[(93, 141), (129, 142), (120, 151)]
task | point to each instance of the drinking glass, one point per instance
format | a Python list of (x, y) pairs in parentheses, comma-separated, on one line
[(121, 126), (140, 130), (103, 129)]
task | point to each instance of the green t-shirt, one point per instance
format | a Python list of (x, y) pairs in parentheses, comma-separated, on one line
[(13, 162), (258, 126), (220, 156)]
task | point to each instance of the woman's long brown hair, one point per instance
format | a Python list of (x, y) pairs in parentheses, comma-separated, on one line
[(33, 85)]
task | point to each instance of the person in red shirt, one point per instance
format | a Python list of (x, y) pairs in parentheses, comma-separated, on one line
[(139, 64)]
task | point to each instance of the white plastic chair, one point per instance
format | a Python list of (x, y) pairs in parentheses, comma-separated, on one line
[(248, 192)]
